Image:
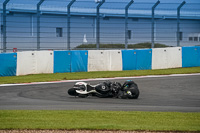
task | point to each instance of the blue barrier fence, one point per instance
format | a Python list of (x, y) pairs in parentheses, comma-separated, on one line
[(77, 61), (144, 59), (129, 60), (8, 63), (136, 59), (70, 61), (62, 61), (190, 56)]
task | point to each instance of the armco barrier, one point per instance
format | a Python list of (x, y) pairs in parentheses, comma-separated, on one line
[(70, 61), (191, 56), (34, 62), (8, 62), (137, 59), (163, 58)]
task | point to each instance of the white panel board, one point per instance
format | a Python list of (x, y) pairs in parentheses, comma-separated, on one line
[(26, 63), (163, 58), (174, 57), (34, 62), (115, 60), (44, 61), (98, 60), (159, 58), (104, 60)]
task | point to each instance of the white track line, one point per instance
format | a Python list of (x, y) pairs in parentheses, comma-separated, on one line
[(97, 79)]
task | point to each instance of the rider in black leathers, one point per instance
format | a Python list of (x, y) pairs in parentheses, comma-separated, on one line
[(114, 89)]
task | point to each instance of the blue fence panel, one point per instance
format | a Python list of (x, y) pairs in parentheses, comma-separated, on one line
[(8, 64), (190, 56), (144, 59), (62, 61), (79, 61), (129, 59)]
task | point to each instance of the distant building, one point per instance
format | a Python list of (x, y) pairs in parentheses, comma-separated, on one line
[(21, 24)]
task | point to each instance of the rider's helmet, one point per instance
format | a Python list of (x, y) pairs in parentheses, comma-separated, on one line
[(127, 84), (129, 90)]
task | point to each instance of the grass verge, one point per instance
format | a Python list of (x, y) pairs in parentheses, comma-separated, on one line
[(87, 75), (100, 120)]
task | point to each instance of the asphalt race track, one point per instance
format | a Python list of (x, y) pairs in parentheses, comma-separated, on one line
[(174, 93)]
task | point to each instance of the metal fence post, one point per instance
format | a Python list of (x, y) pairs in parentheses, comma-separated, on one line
[(4, 25), (98, 24), (178, 22), (126, 23), (38, 23), (68, 23), (153, 23)]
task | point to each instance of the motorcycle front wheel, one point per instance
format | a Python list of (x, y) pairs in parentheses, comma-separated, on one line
[(72, 92)]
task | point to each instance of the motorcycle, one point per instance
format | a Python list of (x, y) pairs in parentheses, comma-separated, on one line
[(107, 89)]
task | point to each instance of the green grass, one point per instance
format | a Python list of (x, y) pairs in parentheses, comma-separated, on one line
[(87, 75), (100, 120)]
